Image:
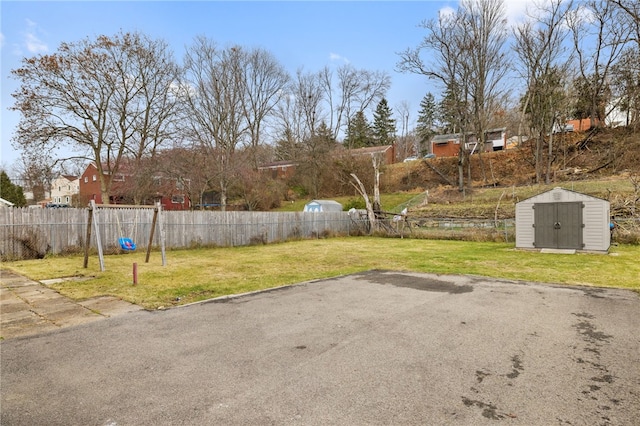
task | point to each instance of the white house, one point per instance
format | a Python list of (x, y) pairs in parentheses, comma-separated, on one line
[(615, 115), (63, 189)]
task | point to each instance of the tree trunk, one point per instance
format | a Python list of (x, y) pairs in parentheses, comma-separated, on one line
[(360, 188), (461, 168), (550, 157)]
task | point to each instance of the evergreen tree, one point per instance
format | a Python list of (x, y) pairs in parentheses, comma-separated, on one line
[(450, 109), (384, 126), (359, 132), (427, 118), (11, 192)]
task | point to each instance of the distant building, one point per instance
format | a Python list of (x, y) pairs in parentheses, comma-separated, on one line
[(170, 192), (90, 185), (388, 152), (279, 169), (65, 189), (448, 145)]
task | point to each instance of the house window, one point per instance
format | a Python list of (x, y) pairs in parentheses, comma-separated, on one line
[(67, 199), (95, 178), (86, 179), (59, 189), (118, 178), (177, 199)]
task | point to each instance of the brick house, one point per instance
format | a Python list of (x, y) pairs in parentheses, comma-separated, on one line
[(170, 192), (449, 145), (279, 169)]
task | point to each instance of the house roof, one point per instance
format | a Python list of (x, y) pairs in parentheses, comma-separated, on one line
[(455, 136), (371, 150), (325, 202), (6, 203), (285, 163), (445, 138)]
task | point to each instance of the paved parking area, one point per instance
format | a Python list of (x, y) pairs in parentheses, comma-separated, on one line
[(375, 348)]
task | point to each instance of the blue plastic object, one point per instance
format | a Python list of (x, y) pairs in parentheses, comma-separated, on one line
[(127, 244)]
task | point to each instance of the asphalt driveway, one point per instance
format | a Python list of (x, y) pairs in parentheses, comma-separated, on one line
[(377, 348)]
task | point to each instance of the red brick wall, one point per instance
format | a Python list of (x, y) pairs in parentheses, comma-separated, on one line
[(90, 186), (450, 149)]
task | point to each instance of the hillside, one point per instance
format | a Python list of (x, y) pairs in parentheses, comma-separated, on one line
[(605, 164)]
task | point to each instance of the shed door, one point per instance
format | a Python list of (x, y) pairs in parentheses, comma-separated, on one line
[(558, 225)]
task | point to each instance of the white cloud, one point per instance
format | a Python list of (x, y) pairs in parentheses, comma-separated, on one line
[(334, 57), (32, 41), (515, 11), (446, 12)]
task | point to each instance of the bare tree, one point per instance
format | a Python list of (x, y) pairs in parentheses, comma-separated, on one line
[(632, 11), (446, 41), (470, 64), (265, 82), (355, 90), (600, 30), (487, 63), (149, 109), (625, 89), (87, 97), (544, 62), (36, 174), (289, 129), (308, 95), (214, 100)]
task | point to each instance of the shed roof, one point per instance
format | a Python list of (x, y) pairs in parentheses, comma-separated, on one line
[(325, 202), (559, 190)]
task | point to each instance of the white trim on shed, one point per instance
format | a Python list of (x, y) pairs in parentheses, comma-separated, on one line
[(595, 219)]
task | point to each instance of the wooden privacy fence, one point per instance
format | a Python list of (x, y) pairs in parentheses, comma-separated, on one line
[(32, 233)]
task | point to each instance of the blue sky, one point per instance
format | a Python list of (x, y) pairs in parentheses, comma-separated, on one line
[(311, 35)]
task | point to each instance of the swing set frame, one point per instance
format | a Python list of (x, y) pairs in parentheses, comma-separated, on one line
[(92, 222)]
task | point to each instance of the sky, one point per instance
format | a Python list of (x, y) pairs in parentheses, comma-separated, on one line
[(300, 34)]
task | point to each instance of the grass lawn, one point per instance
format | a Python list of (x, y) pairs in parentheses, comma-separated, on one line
[(192, 275)]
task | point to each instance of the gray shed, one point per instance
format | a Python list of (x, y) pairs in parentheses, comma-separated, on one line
[(323, 206), (563, 219)]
